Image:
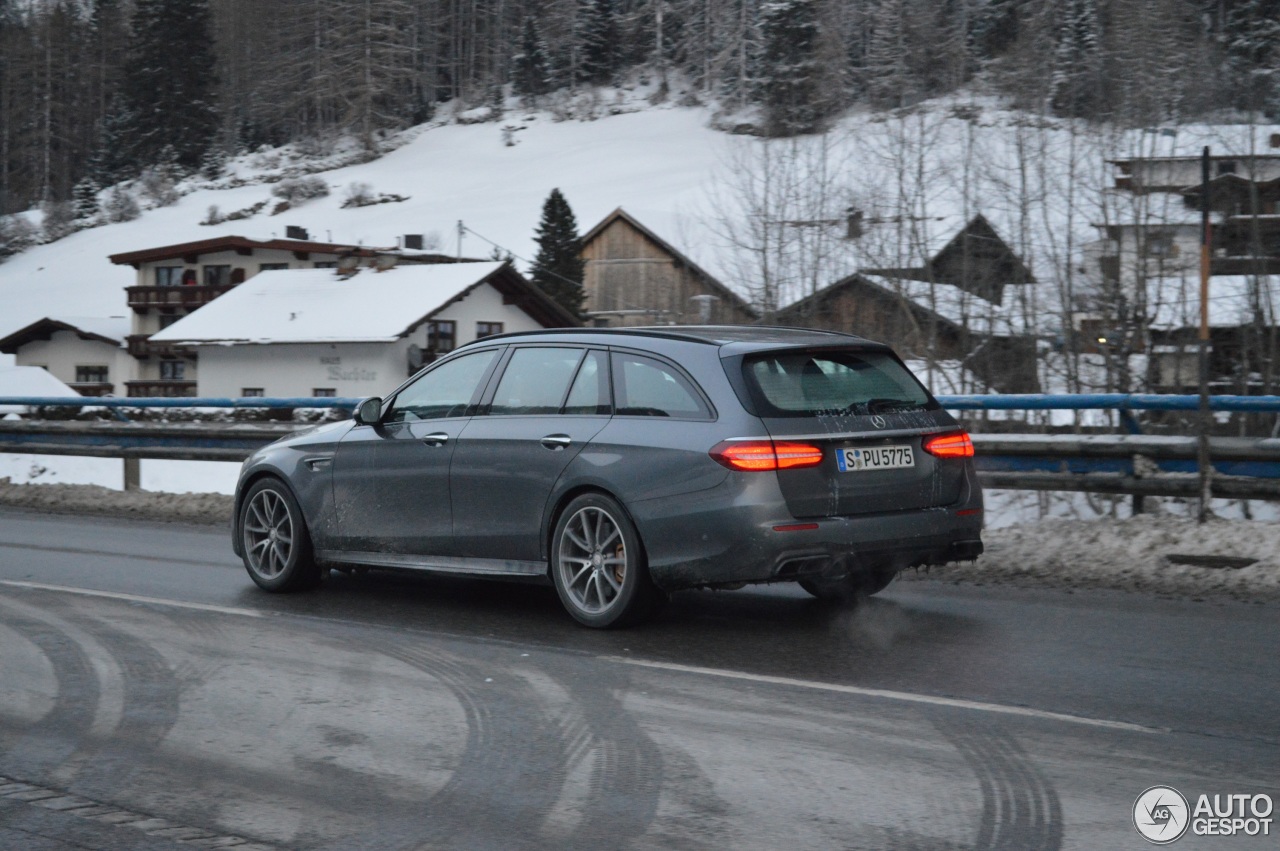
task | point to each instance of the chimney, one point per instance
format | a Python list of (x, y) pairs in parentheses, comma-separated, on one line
[(413, 241), (295, 232), (853, 223)]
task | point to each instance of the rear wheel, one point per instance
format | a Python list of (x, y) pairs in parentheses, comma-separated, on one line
[(857, 583), (274, 539), (598, 566)]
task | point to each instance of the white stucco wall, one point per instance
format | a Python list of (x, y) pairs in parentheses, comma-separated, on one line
[(292, 369), (484, 304), (65, 350), (251, 263)]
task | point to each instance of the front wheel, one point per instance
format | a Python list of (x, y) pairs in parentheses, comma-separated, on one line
[(274, 539), (598, 566)]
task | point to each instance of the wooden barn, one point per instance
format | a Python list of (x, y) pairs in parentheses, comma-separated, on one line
[(634, 277), (920, 319)]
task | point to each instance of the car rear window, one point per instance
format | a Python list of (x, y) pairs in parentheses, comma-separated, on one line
[(810, 383)]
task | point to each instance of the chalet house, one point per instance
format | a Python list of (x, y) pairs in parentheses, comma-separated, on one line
[(360, 332), (1148, 265), (635, 277), (1244, 335), (963, 303), (84, 353), (174, 280), (1154, 230)]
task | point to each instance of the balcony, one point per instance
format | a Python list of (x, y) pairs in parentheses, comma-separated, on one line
[(93, 388), (142, 299), (142, 347), (163, 388)]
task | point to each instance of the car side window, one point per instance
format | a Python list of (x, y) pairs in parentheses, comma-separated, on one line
[(445, 391), (590, 391), (535, 381), (645, 387)]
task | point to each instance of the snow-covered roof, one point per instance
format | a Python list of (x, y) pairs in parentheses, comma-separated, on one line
[(29, 381), (320, 306), (1175, 302), (106, 329), (112, 327)]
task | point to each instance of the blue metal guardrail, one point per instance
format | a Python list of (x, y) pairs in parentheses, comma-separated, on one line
[(975, 402), (178, 402), (1133, 463), (1107, 401)]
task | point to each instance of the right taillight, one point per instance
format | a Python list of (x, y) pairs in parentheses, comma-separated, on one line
[(956, 445), (763, 455)]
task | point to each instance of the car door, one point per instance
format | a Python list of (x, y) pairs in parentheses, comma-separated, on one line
[(549, 402), (391, 479)]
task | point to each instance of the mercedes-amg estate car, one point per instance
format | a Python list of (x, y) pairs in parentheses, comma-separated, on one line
[(623, 464)]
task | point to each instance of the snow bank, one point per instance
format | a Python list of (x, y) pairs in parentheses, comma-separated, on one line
[(1127, 555)]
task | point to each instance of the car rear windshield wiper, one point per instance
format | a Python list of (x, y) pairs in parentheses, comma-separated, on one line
[(881, 406)]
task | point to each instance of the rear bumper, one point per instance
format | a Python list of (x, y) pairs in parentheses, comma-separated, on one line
[(727, 536)]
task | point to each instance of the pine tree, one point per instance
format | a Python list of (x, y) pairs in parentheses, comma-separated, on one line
[(531, 76), (169, 82), (1076, 83), (85, 198), (601, 43), (558, 268), (788, 67), (1253, 49)]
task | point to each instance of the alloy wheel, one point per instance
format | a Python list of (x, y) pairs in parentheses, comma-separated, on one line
[(592, 560), (268, 534)]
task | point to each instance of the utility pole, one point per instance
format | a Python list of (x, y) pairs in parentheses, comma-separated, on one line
[(1206, 244)]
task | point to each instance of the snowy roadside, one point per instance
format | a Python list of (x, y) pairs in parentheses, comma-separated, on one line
[(1130, 554)]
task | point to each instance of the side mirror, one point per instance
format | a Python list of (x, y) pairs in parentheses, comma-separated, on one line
[(369, 411)]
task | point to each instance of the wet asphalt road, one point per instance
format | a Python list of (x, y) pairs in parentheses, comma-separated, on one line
[(152, 697)]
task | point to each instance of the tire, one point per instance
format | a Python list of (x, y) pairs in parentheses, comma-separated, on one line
[(598, 565), (274, 539), (856, 584)]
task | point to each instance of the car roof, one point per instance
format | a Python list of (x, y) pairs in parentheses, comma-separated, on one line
[(754, 336)]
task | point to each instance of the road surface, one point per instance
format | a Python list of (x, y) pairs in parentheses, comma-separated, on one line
[(152, 697)]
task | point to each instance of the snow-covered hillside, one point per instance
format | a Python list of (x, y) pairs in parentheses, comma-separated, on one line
[(1043, 183)]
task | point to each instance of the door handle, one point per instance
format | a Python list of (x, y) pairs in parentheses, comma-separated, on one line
[(556, 442), (438, 438)]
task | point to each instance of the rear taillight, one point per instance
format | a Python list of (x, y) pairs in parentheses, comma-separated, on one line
[(956, 445), (762, 455)]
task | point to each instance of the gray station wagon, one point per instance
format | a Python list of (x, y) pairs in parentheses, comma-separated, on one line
[(623, 464)]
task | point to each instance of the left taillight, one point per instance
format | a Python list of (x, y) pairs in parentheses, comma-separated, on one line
[(955, 445), (763, 455)]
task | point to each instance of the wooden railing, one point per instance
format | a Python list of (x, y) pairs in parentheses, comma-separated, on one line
[(165, 388), (141, 346), (190, 297)]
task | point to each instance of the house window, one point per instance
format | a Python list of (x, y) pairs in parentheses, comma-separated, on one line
[(272, 267), (168, 276), (324, 393), (441, 336), (326, 264), (488, 329), (91, 375), (167, 319), (217, 276), (252, 392), (1226, 166), (172, 370), (1161, 245)]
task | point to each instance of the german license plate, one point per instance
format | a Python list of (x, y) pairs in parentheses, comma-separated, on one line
[(875, 458)]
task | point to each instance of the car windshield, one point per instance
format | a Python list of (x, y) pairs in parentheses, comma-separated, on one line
[(810, 383)]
